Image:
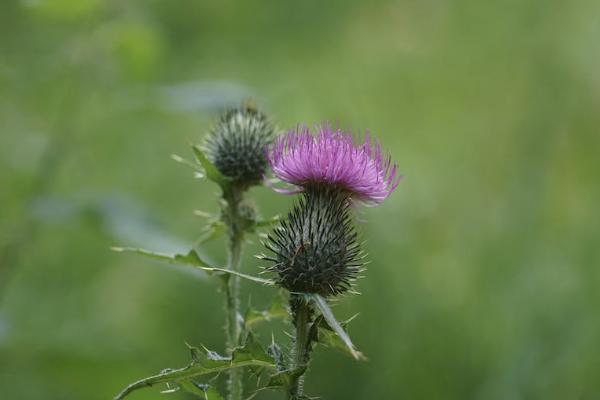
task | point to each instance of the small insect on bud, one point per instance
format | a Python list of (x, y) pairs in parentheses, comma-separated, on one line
[(236, 145), (315, 248)]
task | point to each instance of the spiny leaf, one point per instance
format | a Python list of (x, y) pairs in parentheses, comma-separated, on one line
[(280, 381), (198, 172), (203, 391), (323, 334), (276, 310), (252, 350), (200, 390), (210, 170), (205, 362), (330, 339), (260, 223), (212, 231), (323, 307), (212, 394), (207, 215), (193, 259), (284, 379), (277, 355), (323, 324)]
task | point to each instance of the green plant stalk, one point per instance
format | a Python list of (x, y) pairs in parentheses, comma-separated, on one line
[(233, 197), (301, 356)]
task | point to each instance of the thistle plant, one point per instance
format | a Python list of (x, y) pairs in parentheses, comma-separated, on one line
[(232, 155), (313, 254), (316, 252), (235, 146)]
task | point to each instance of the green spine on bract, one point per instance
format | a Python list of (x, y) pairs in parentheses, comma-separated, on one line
[(236, 145), (315, 248)]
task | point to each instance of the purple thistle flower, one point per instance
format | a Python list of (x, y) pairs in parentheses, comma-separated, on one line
[(333, 158)]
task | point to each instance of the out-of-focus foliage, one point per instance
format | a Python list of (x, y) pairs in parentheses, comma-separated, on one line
[(485, 262)]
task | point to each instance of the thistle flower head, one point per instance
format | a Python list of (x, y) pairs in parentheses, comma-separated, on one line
[(332, 157), (236, 143), (315, 248)]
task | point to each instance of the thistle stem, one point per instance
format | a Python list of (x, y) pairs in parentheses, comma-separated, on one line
[(301, 312), (233, 197)]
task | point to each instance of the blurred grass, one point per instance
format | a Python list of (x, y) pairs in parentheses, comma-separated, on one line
[(484, 280)]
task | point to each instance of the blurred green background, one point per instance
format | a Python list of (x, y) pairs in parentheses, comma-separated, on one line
[(484, 282)]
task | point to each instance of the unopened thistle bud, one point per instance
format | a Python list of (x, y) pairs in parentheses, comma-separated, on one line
[(236, 145), (315, 248)]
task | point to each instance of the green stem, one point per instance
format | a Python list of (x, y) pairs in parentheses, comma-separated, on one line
[(233, 197), (301, 312)]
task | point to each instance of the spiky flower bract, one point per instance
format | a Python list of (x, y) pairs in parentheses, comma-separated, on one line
[(236, 143), (333, 158), (315, 248)]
